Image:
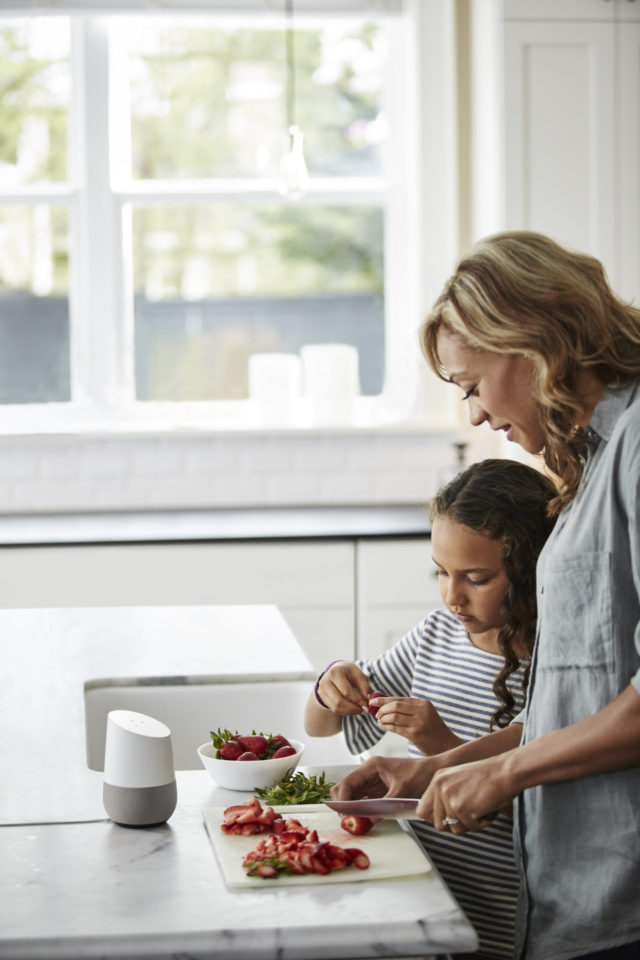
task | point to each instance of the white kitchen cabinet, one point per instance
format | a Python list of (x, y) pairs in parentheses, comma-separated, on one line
[(340, 597), (312, 583), (628, 154), (396, 587), (571, 124), (560, 132)]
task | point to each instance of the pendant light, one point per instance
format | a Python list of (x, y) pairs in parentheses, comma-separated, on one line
[(294, 177)]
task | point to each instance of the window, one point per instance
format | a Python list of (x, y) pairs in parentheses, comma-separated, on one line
[(147, 248)]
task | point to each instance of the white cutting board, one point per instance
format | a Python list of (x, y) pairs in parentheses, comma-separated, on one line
[(392, 851)]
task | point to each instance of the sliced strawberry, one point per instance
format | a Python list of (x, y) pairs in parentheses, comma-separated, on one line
[(293, 824), (286, 751), (278, 826), (230, 750), (254, 743), (253, 804), (318, 865), (304, 858), (312, 836), (355, 824), (358, 858)]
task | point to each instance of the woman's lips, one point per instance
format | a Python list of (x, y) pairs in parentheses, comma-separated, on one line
[(463, 617)]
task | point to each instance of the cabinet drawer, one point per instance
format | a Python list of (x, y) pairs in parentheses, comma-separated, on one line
[(397, 573)]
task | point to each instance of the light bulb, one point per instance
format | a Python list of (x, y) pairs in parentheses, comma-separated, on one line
[(294, 179)]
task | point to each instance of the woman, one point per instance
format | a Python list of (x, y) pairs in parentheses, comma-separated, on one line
[(544, 351)]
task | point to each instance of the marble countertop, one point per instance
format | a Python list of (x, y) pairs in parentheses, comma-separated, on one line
[(98, 890), (269, 523), (48, 656)]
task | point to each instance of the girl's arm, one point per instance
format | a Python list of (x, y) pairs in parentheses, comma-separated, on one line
[(606, 741)]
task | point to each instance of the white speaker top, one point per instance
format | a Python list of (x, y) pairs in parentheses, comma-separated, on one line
[(138, 751)]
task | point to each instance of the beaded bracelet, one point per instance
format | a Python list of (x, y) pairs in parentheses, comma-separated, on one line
[(315, 689)]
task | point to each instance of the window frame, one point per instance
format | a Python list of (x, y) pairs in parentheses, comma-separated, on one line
[(101, 321)]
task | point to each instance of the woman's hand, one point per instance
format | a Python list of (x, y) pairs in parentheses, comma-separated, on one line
[(418, 721), (385, 777), (468, 793)]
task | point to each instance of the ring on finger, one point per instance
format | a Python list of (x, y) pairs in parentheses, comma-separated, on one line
[(450, 821)]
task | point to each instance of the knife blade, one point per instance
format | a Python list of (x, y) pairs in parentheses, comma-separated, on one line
[(396, 808)]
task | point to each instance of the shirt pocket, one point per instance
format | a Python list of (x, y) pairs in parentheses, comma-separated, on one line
[(575, 613)]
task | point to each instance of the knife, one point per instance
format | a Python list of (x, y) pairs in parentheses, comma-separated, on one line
[(397, 808)]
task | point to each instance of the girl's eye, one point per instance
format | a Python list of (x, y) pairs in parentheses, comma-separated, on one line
[(479, 583), (468, 393)]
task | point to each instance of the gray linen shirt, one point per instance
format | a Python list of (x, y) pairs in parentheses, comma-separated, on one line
[(578, 841)]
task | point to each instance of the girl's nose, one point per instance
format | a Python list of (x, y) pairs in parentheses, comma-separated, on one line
[(455, 596)]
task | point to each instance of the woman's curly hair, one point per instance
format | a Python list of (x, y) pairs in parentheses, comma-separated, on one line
[(521, 292), (505, 501)]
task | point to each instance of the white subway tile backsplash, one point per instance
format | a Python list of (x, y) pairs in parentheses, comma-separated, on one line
[(61, 473)]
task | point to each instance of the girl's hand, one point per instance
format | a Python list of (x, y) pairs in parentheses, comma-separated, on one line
[(344, 688), (467, 793), (418, 721)]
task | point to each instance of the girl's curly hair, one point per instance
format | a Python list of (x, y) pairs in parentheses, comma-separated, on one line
[(521, 292), (506, 501)]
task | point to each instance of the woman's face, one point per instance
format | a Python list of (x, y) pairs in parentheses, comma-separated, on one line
[(497, 387)]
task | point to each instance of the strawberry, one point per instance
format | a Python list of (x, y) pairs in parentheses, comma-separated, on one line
[(286, 751), (230, 750), (254, 743), (356, 825), (248, 755), (358, 858), (374, 696), (278, 741)]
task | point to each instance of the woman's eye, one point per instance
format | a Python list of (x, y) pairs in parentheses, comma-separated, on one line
[(468, 393), (479, 583)]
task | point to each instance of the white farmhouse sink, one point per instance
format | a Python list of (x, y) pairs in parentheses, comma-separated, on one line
[(192, 709)]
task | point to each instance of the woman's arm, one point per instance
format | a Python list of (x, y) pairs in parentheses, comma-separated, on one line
[(396, 777), (607, 741)]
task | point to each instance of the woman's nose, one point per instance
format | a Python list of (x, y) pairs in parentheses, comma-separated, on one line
[(476, 413)]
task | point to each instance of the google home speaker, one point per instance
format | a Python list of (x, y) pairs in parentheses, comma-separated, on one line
[(139, 780)]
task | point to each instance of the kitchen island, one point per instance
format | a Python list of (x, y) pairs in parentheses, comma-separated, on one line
[(77, 891)]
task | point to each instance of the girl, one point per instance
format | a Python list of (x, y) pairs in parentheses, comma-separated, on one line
[(462, 671)]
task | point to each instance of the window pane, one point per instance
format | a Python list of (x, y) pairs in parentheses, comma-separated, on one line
[(34, 100), (212, 101), (34, 305), (218, 282)]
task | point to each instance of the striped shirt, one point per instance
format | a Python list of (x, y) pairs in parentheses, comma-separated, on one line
[(436, 661)]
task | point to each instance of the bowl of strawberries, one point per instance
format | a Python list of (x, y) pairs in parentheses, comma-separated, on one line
[(244, 761)]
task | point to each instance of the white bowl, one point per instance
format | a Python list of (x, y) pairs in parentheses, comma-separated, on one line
[(248, 774)]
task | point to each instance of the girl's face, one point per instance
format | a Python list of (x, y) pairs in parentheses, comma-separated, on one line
[(473, 583), (497, 387)]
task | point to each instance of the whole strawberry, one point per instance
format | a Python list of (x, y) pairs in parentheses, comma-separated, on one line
[(248, 755), (255, 743), (356, 825), (230, 750), (287, 751)]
